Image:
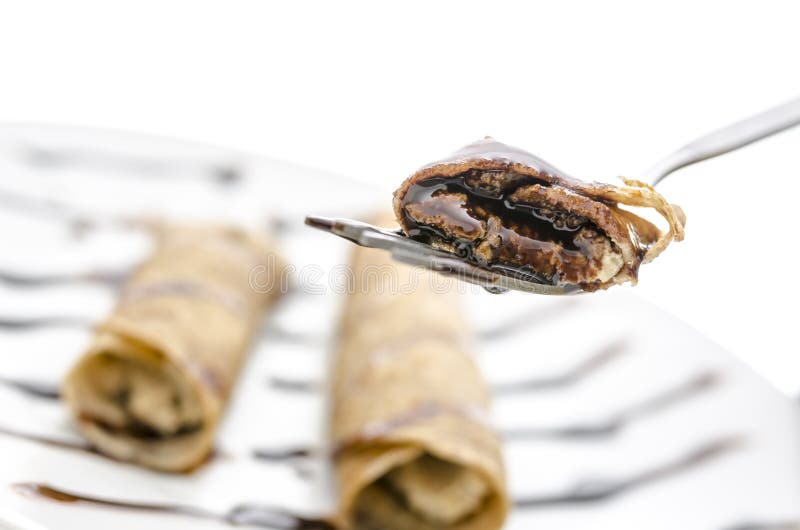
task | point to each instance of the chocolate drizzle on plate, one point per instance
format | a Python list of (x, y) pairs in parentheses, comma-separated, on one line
[(278, 333), (372, 432), (77, 222), (226, 174), (693, 387), (37, 389), (34, 323), (59, 443), (616, 422), (295, 385), (105, 278), (527, 320), (765, 525), (597, 490), (240, 515), (572, 376), (80, 446)]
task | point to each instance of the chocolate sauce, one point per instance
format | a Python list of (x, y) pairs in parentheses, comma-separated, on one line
[(618, 421), (240, 515), (50, 442), (593, 490), (98, 277), (278, 333), (524, 233), (25, 324), (772, 525), (298, 458), (36, 389), (81, 446), (304, 386), (39, 207), (283, 454), (225, 174), (451, 207), (228, 174), (143, 431), (77, 222), (572, 376), (527, 320)]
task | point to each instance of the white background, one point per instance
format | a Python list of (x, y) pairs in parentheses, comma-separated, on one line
[(373, 91)]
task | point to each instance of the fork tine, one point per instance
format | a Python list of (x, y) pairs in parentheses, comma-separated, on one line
[(416, 253), (322, 223)]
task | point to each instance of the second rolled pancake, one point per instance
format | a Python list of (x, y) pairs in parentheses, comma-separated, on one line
[(156, 378), (414, 449)]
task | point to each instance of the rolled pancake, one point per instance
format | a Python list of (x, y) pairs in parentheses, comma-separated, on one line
[(507, 210), (413, 447), (155, 379)]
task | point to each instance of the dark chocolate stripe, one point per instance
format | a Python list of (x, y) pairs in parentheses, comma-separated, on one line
[(764, 525), (295, 385), (36, 389), (105, 278), (48, 441), (374, 432), (693, 387), (34, 323), (597, 490), (228, 173), (239, 515), (574, 375), (528, 320)]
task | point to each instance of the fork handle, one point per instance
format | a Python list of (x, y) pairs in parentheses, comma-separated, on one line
[(727, 139)]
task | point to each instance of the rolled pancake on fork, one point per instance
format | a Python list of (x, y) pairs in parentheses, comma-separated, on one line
[(153, 384), (412, 445), (507, 210)]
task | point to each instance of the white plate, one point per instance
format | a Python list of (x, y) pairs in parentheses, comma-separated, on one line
[(110, 173)]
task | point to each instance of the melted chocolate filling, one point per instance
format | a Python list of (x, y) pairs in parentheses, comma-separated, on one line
[(467, 203), (143, 431)]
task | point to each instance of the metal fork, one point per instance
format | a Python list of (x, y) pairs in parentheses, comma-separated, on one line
[(412, 252)]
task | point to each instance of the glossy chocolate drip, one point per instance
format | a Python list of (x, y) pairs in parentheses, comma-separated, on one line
[(594, 490), (524, 232), (36, 389), (616, 422), (240, 515)]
